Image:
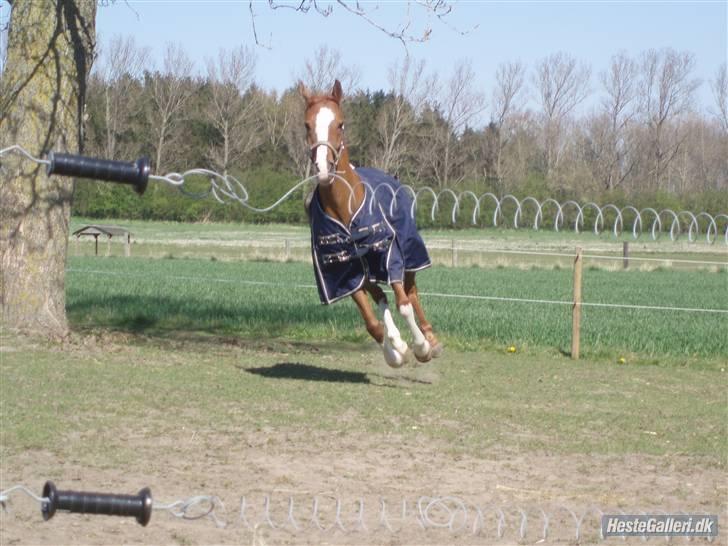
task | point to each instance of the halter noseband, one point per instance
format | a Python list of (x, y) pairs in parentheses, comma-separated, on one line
[(337, 153)]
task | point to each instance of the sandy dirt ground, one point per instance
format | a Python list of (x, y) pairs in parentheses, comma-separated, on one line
[(294, 470)]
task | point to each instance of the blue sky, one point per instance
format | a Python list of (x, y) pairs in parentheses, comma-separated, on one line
[(591, 31)]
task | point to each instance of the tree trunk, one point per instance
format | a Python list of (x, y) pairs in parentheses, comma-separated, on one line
[(49, 55)]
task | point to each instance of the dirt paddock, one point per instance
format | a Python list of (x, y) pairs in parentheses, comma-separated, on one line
[(354, 468)]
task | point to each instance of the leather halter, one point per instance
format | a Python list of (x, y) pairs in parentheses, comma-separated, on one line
[(337, 153)]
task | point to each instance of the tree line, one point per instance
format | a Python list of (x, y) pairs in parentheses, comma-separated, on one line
[(634, 133)]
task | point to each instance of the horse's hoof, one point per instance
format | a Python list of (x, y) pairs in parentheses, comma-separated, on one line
[(435, 346), (425, 358), (423, 353), (393, 357), (395, 363)]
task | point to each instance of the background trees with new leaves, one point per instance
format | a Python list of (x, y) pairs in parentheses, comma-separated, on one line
[(634, 131)]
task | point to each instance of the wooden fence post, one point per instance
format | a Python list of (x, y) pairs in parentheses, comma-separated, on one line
[(576, 310), (625, 255), (288, 250)]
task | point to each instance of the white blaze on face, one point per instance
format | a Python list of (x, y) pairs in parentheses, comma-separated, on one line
[(323, 120)]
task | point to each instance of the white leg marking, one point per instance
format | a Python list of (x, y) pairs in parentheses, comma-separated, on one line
[(392, 357), (391, 332), (324, 117), (421, 345)]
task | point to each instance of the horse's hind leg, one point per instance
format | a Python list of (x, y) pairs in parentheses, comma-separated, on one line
[(382, 334), (410, 288)]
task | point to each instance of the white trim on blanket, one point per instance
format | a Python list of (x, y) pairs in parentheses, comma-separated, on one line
[(416, 269)]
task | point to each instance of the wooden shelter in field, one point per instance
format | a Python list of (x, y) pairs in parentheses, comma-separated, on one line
[(109, 232)]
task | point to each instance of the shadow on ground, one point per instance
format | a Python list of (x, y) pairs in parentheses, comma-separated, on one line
[(307, 372)]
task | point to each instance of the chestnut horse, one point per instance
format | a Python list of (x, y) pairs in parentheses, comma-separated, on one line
[(355, 244)]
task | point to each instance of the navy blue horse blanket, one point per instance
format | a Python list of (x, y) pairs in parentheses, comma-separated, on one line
[(375, 246)]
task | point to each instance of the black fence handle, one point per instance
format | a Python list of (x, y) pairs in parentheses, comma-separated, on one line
[(138, 506), (123, 172)]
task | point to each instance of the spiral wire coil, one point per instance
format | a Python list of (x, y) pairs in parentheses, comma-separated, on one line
[(506, 210), (331, 513)]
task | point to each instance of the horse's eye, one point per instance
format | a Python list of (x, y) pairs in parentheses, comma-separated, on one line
[(308, 127), (341, 126)]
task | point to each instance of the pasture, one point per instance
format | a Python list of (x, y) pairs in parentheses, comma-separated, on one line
[(272, 299), (476, 246), (220, 376)]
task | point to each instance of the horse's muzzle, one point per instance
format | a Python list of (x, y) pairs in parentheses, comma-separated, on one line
[(332, 159)]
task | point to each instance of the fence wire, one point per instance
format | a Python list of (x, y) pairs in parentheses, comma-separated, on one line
[(506, 210), (370, 514)]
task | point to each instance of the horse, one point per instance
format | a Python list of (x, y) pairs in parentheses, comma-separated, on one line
[(362, 234)]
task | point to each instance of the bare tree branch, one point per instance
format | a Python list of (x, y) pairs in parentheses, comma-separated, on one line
[(610, 138), (667, 91), (719, 86), (397, 35), (562, 84), (121, 67), (459, 104), (326, 66), (230, 112), (507, 100), (255, 28), (170, 91), (403, 32), (409, 88)]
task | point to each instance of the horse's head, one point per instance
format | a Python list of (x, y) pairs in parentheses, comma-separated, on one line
[(324, 130)]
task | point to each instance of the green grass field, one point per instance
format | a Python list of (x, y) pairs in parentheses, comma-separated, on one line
[(482, 247), (84, 401), (278, 299)]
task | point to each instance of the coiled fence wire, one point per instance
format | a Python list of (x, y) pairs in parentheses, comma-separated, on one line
[(485, 209), (367, 514)]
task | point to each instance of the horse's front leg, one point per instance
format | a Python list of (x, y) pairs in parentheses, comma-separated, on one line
[(420, 344), (386, 335)]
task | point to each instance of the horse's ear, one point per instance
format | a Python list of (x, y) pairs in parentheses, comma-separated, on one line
[(336, 92), (303, 90)]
